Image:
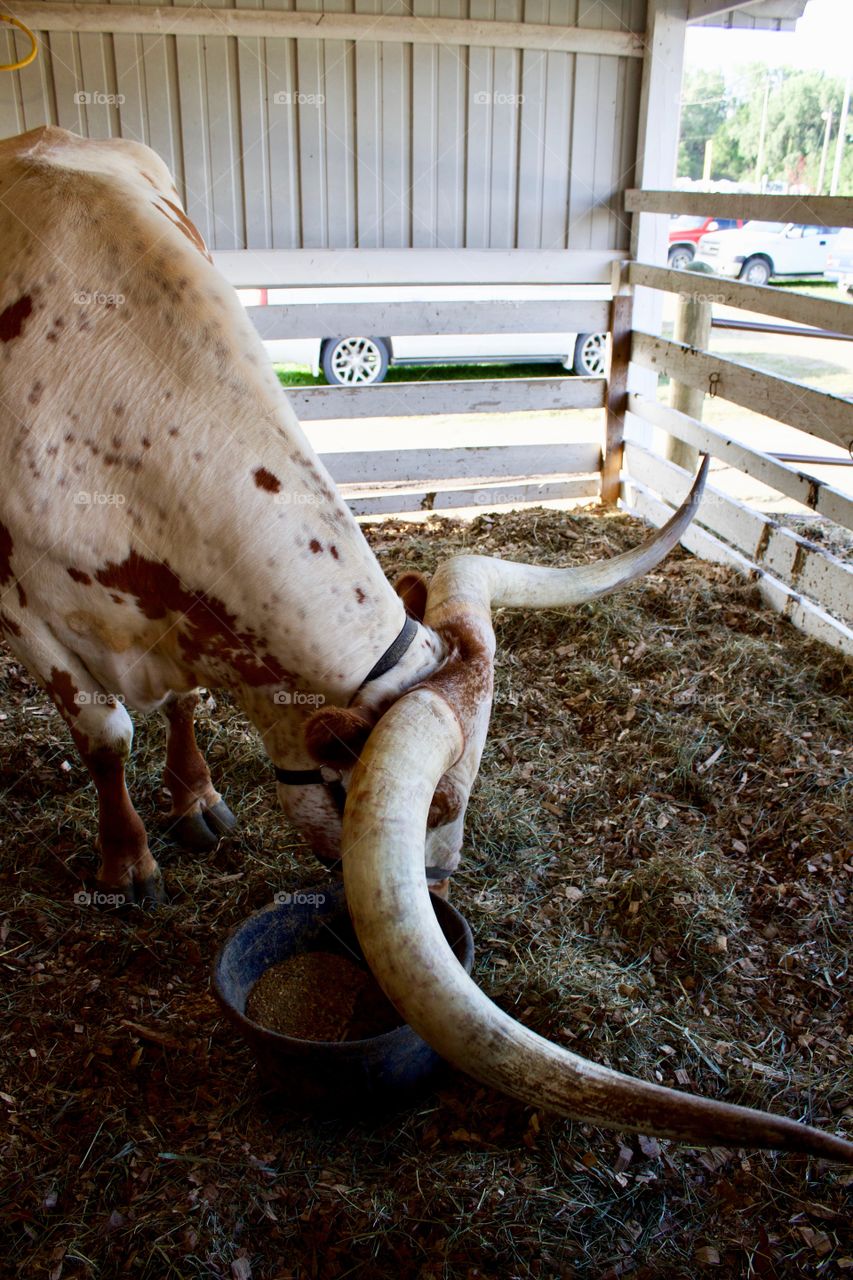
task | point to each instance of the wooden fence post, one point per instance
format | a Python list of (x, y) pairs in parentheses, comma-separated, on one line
[(617, 387), (692, 327)]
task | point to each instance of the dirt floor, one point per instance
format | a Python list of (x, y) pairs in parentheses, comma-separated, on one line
[(657, 873)]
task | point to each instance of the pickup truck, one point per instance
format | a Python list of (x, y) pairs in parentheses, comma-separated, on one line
[(685, 232), (839, 264), (761, 250)]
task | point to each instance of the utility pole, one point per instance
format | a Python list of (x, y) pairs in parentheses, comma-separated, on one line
[(709, 152), (841, 139), (827, 117), (762, 134)]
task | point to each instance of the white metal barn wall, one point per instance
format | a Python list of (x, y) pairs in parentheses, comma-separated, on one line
[(290, 143)]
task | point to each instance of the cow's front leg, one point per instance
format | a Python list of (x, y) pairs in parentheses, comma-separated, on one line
[(199, 815)]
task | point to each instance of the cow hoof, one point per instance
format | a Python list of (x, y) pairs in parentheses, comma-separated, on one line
[(219, 818), (144, 892), (150, 892), (192, 833)]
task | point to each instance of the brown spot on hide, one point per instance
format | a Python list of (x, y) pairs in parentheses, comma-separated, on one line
[(12, 319), (359, 595), (334, 552), (207, 629), (80, 576), (22, 596), (64, 692), (315, 546), (266, 480), (6, 549), (466, 678), (35, 392)]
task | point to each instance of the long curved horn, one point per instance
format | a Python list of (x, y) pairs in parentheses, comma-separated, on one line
[(413, 745), (503, 582)]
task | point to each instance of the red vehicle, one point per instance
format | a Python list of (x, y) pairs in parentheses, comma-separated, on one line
[(685, 233)]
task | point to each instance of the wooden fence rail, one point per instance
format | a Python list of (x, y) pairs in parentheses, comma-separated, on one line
[(405, 399), (788, 304), (815, 494), (382, 319), (820, 211), (823, 415)]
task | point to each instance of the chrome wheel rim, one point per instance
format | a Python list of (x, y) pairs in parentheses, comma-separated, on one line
[(757, 275), (594, 354), (356, 360)]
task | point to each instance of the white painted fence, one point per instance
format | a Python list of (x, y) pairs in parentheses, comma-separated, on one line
[(795, 576), (798, 577)]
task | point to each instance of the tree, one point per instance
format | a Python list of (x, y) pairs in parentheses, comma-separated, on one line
[(731, 114), (703, 110)]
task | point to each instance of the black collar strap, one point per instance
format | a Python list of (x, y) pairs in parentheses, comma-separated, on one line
[(389, 659), (311, 778), (394, 652), (299, 777)]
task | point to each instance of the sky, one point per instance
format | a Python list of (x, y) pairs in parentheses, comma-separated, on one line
[(823, 40)]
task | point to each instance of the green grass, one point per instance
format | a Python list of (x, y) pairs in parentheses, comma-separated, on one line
[(292, 375), (816, 288)]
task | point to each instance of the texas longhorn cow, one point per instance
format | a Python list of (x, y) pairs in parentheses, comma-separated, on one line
[(166, 526)]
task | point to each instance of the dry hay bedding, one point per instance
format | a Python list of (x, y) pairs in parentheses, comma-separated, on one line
[(655, 875)]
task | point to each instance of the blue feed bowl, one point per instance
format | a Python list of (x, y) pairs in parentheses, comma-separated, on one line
[(380, 1072)]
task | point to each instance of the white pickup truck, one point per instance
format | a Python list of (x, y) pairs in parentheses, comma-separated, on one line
[(759, 251)]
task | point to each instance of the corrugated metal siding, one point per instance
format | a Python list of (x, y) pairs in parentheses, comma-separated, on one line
[(281, 143)]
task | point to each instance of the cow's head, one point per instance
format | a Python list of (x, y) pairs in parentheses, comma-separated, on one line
[(457, 665), (408, 772)]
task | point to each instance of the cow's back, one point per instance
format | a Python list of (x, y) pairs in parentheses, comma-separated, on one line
[(141, 423)]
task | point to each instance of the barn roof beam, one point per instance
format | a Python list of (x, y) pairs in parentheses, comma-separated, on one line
[(787, 10), (53, 15)]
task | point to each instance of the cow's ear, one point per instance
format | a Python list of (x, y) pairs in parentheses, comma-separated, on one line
[(412, 590), (336, 735)]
